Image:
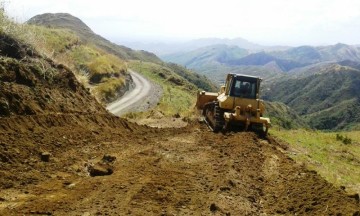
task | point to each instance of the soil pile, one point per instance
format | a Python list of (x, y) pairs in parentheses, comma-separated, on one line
[(31, 84), (106, 166)]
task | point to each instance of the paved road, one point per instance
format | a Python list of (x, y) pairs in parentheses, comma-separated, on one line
[(139, 93)]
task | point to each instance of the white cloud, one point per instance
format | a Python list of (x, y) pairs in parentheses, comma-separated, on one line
[(275, 21)]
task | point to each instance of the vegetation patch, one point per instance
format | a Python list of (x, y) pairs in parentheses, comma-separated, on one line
[(109, 88), (334, 155)]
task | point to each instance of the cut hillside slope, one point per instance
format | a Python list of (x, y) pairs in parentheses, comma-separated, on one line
[(31, 84)]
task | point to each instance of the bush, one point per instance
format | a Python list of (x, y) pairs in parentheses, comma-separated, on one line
[(346, 140)]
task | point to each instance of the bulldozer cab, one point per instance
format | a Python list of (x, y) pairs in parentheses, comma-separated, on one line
[(242, 86)]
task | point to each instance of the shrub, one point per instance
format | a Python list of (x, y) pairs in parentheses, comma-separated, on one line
[(346, 140), (109, 89)]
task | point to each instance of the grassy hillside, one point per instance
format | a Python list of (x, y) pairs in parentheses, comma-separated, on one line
[(67, 21), (329, 100), (283, 116), (105, 74), (103, 64), (179, 95)]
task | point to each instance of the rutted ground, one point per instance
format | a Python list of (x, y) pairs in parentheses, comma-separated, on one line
[(186, 171)]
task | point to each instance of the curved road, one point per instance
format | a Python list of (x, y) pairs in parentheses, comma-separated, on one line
[(125, 103)]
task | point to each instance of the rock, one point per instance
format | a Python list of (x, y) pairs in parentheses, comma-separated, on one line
[(214, 207), (4, 108), (355, 196), (45, 156), (108, 158), (98, 170)]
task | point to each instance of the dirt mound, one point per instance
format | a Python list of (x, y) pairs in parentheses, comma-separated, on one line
[(31, 84), (179, 171)]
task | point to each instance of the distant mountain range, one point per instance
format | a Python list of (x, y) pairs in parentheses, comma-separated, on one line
[(162, 48), (285, 60), (322, 84)]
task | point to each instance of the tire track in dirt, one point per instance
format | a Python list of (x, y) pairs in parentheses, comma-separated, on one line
[(184, 171)]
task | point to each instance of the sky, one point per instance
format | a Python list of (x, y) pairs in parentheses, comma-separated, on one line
[(266, 22)]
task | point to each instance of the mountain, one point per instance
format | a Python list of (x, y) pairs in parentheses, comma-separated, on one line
[(262, 58), (102, 66), (310, 55), (239, 42), (203, 56), (327, 100), (164, 49), (283, 116), (67, 21)]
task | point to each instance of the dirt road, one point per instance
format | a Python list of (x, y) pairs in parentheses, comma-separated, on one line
[(102, 165), (144, 95)]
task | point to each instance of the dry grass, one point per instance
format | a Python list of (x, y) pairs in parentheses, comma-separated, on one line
[(65, 47)]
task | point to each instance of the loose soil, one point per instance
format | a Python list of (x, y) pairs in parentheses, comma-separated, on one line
[(183, 171)]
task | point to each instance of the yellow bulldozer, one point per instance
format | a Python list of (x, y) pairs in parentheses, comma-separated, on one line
[(238, 102)]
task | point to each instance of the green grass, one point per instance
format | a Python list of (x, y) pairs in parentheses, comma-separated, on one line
[(106, 66), (178, 95), (337, 162), (108, 89)]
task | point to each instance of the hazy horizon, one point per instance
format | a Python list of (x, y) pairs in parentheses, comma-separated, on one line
[(277, 22)]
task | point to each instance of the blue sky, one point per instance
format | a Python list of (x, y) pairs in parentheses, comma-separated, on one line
[(267, 22)]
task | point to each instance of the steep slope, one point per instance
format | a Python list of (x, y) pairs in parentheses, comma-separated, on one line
[(328, 100), (33, 85), (64, 20), (283, 116), (93, 58)]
